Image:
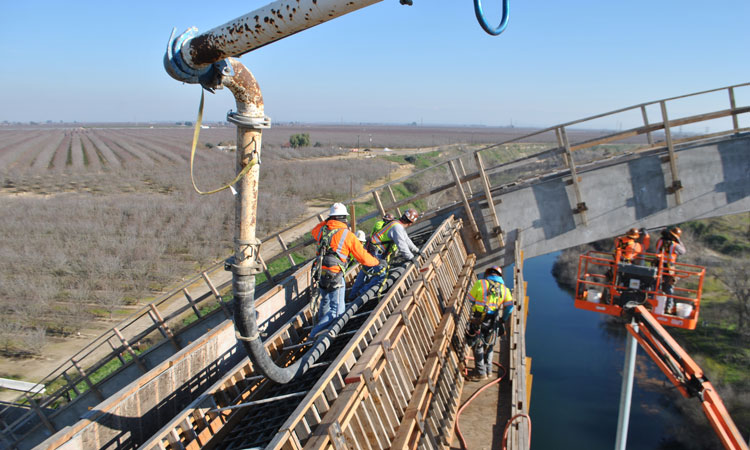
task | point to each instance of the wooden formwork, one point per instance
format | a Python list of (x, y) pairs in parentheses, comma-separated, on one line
[(420, 298), (404, 390), (520, 365)]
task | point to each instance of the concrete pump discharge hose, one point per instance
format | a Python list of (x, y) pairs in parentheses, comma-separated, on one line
[(247, 327)]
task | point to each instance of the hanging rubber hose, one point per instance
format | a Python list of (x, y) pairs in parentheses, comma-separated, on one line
[(483, 22), (475, 395)]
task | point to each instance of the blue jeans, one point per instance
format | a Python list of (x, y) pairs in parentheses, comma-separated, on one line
[(483, 359), (362, 284), (331, 308)]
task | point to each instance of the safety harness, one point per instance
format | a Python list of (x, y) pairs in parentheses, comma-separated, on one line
[(381, 243), (327, 257), (483, 327)]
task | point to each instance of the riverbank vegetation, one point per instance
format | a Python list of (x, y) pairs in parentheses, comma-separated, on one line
[(720, 344)]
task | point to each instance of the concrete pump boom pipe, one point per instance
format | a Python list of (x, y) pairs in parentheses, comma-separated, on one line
[(250, 121), (190, 55)]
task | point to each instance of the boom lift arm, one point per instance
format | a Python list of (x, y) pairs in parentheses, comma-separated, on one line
[(684, 373)]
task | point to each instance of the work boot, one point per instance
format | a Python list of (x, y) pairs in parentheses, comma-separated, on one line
[(483, 377), (472, 376)]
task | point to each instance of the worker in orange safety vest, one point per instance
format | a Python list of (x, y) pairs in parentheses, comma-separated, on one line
[(632, 244), (335, 243), (670, 246)]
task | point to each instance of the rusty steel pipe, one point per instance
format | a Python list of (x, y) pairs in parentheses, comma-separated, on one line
[(190, 55)]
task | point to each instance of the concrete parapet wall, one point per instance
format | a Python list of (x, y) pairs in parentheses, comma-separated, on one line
[(132, 415)]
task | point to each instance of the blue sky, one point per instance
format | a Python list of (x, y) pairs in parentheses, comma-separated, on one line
[(431, 63)]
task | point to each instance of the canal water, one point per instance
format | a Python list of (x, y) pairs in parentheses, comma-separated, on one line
[(577, 362)]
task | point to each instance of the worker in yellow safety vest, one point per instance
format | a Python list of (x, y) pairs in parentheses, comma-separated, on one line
[(491, 304), (391, 245)]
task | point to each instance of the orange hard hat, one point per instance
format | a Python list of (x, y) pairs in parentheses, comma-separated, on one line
[(676, 232), (633, 233)]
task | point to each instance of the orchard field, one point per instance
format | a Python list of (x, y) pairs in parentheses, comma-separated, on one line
[(97, 219)]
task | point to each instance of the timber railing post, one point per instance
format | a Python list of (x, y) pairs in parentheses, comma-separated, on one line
[(163, 328), (285, 248), (490, 201), (477, 235), (733, 105), (645, 123), (86, 378), (393, 199), (217, 295), (378, 203), (676, 183), (581, 207)]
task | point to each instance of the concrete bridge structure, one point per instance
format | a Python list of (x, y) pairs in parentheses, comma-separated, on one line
[(503, 207)]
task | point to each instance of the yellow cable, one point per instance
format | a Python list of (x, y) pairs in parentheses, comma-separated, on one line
[(196, 132)]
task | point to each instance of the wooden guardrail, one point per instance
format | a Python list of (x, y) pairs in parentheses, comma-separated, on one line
[(520, 365), (404, 324)]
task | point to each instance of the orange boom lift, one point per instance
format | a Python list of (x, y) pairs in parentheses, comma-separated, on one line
[(606, 284)]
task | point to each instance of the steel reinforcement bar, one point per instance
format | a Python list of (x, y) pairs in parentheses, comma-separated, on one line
[(263, 414)]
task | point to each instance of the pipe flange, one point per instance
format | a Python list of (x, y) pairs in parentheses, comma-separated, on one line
[(257, 123), (174, 63)]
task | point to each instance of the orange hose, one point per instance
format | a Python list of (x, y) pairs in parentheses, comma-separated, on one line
[(507, 427), (458, 415)]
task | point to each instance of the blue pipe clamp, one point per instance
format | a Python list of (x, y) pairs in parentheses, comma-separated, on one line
[(483, 22)]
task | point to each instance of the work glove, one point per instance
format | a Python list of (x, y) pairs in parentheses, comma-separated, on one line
[(375, 270)]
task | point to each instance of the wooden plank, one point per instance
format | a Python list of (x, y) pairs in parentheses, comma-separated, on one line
[(24, 386)]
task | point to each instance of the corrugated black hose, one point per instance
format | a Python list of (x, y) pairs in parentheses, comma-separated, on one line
[(247, 327)]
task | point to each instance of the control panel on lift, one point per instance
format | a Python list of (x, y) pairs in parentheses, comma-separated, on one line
[(606, 283)]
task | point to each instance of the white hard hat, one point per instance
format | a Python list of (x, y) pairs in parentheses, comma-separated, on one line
[(361, 235), (338, 209)]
